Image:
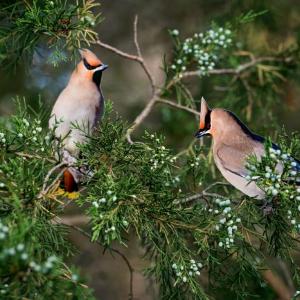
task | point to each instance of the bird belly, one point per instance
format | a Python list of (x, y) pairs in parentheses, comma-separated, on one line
[(249, 188), (76, 119)]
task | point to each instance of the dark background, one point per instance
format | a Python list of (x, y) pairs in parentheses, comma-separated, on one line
[(126, 85)]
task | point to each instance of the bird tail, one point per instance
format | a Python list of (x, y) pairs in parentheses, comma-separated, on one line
[(69, 182)]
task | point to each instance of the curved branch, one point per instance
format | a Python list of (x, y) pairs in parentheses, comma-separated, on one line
[(179, 106), (230, 71), (140, 118), (142, 61), (130, 268), (138, 58), (118, 52), (147, 110), (45, 189), (158, 91), (203, 194)]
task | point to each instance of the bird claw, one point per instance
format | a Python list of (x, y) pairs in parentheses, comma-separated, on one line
[(77, 172), (267, 208)]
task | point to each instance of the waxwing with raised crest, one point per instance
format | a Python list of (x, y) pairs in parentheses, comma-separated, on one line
[(81, 105), (233, 143)]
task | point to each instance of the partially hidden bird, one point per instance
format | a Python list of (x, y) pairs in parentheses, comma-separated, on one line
[(77, 110), (233, 143)]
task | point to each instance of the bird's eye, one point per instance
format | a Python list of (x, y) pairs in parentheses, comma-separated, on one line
[(88, 66)]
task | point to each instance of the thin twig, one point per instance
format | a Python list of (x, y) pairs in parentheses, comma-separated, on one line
[(231, 71), (140, 118), (135, 38), (130, 268), (73, 220), (131, 271), (148, 108), (214, 184), (138, 58), (179, 106), (142, 61), (198, 196), (119, 52), (27, 155), (203, 194), (157, 91), (45, 189), (277, 284)]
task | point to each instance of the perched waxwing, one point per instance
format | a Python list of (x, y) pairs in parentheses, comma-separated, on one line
[(80, 104), (233, 143)]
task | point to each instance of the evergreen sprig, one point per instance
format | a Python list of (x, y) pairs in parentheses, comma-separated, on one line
[(32, 247), (142, 188), (62, 25), (191, 227)]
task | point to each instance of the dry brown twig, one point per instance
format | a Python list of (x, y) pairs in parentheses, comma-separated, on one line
[(123, 256), (46, 188), (157, 91), (157, 97), (203, 194)]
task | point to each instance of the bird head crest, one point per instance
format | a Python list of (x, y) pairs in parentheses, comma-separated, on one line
[(90, 67), (91, 61)]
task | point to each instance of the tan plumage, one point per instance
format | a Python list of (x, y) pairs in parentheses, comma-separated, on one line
[(233, 143), (81, 103)]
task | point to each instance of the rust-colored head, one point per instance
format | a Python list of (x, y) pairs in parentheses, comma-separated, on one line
[(90, 59), (220, 123), (90, 66)]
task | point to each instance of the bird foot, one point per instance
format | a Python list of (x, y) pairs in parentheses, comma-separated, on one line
[(267, 208)]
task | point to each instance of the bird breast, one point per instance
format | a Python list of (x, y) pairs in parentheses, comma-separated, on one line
[(76, 106)]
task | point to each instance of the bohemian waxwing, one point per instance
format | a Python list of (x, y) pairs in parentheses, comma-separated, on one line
[(81, 103), (233, 142)]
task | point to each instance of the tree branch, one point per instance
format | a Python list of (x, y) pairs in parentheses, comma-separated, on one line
[(277, 284), (119, 52), (203, 194), (141, 117), (138, 58), (231, 71), (27, 155), (45, 189), (125, 259), (158, 91), (142, 61), (179, 106)]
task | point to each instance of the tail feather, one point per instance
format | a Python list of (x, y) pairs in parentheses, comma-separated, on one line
[(69, 182)]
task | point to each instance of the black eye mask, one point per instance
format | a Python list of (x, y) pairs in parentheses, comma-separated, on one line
[(88, 66)]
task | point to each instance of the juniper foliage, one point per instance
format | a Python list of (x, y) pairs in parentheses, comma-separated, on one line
[(203, 239), (62, 25)]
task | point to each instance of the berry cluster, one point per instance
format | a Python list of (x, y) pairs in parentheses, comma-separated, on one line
[(203, 49), (186, 271)]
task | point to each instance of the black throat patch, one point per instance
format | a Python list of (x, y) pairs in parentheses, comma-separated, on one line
[(207, 121), (97, 76)]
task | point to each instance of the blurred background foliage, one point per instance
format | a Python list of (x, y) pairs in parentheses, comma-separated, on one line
[(273, 31), (126, 85)]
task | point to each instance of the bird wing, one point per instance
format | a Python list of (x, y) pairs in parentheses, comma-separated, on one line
[(234, 158)]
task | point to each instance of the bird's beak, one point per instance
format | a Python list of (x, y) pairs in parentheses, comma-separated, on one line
[(200, 133), (101, 68)]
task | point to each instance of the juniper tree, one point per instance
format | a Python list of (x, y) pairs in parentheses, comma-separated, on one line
[(203, 239)]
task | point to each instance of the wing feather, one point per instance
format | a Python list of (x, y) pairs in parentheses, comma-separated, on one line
[(234, 158)]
